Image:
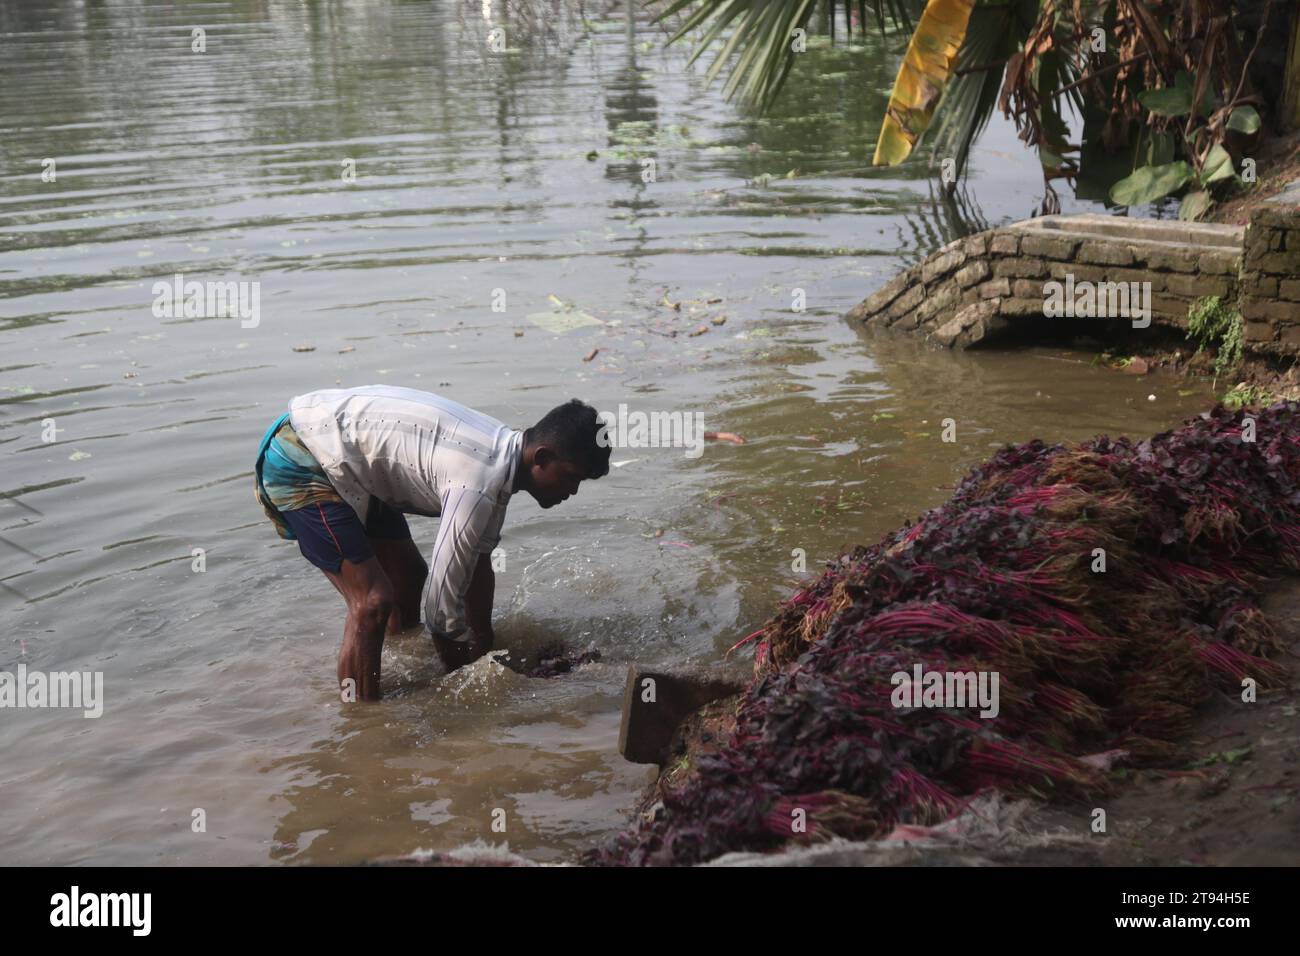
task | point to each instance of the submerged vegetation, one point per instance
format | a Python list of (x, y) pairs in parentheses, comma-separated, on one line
[(1112, 585)]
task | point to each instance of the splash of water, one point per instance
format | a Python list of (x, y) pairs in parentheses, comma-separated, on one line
[(484, 680)]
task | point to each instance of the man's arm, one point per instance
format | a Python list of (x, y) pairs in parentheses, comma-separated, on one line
[(478, 599), (478, 612), (458, 595)]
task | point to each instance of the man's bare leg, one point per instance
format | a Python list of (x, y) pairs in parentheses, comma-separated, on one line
[(406, 570), (369, 596)]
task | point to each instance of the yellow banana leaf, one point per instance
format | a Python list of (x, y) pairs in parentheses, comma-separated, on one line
[(925, 71)]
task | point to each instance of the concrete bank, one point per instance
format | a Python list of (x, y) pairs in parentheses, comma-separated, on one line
[(976, 290)]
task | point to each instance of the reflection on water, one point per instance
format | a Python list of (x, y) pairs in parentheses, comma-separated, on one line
[(517, 176)]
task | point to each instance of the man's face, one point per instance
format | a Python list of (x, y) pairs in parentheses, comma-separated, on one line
[(553, 479)]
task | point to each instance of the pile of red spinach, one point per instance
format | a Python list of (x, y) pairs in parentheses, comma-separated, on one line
[(1005, 577)]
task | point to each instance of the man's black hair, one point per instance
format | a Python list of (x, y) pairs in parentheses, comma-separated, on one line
[(572, 429)]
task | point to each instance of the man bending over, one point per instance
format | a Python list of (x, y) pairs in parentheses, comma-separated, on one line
[(341, 468)]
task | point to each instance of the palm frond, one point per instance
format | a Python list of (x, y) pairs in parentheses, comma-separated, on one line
[(971, 96), (927, 66), (758, 51)]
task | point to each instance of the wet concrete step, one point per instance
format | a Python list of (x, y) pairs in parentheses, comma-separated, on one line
[(1122, 229), (657, 700)]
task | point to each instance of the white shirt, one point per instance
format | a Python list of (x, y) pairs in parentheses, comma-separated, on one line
[(422, 454)]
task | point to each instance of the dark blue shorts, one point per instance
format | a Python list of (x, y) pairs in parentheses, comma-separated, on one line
[(330, 531)]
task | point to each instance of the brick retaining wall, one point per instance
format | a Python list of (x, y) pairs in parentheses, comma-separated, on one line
[(974, 289)]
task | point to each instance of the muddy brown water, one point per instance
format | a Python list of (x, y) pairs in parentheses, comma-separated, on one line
[(475, 171)]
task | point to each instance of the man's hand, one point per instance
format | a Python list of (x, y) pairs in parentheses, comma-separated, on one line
[(454, 654)]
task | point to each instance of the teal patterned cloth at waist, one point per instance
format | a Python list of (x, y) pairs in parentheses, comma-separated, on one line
[(287, 476)]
